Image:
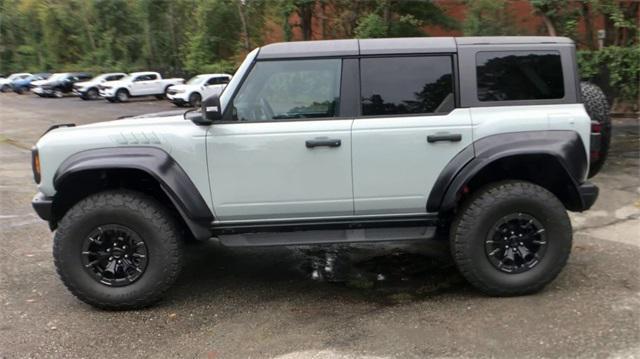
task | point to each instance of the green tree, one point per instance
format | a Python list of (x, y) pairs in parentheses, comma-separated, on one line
[(489, 18)]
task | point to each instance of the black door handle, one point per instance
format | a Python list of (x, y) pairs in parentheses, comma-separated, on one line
[(323, 142), (455, 137)]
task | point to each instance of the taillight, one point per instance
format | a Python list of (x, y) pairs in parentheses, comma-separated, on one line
[(35, 165), (596, 127)]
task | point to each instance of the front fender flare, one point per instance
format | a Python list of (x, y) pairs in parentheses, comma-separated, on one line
[(173, 180)]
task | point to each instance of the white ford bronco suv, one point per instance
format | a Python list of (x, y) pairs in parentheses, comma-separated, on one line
[(486, 140)]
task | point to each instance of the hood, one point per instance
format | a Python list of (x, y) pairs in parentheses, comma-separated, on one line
[(4, 81), (111, 130), (85, 83), (183, 87), (114, 83), (39, 82)]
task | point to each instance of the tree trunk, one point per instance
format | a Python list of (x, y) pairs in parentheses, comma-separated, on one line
[(243, 21), (551, 29), (588, 25), (87, 29)]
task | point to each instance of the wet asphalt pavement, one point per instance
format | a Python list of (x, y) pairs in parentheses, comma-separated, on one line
[(390, 303)]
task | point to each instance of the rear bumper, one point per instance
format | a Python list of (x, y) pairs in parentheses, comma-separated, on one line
[(588, 195), (42, 205)]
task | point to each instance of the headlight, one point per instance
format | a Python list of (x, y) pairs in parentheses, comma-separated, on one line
[(35, 164)]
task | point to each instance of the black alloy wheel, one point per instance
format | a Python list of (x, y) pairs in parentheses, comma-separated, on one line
[(516, 243), (114, 255)]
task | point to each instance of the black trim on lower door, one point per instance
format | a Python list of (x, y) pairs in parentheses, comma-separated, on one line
[(323, 224)]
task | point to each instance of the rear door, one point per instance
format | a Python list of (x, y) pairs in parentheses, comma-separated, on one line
[(283, 149), (408, 132)]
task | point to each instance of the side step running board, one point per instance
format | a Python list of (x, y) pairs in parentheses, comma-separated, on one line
[(334, 236)]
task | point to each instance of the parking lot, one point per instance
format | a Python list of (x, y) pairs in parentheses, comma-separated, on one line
[(250, 303)]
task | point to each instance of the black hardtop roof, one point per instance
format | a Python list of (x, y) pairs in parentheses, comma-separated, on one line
[(407, 45)]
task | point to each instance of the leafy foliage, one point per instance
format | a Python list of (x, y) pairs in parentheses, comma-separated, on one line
[(622, 64), (489, 18)]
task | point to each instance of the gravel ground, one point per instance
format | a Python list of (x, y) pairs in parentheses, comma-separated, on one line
[(257, 304)]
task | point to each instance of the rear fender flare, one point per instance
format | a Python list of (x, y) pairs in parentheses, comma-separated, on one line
[(564, 147)]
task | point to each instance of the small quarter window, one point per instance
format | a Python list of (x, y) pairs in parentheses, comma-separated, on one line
[(519, 75), (406, 85)]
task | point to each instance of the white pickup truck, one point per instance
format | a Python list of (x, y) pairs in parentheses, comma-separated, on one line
[(137, 84)]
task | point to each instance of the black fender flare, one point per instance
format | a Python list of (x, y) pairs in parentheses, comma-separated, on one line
[(172, 178), (564, 147)]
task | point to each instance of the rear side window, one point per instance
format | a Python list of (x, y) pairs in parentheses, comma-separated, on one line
[(519, 75), (406, 85)]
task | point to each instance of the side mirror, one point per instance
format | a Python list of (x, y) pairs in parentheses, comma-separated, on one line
[(211, 108), (196, 117)]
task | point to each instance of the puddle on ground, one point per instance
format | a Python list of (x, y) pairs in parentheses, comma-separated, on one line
[(393, 275)]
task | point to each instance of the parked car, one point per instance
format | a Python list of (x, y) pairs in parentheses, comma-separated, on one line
[(5, 84), (88, 90), (60, 84), (24, 84), (197, 88), (137, 84), (483, 139)]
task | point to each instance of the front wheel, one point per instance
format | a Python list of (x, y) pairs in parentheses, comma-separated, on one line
[(195, 99), (57, 93), (92, 94), (511, 238), (5, 88), (117, 250), (122, 95)]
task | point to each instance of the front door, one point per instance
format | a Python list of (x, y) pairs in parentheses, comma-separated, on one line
[(282, 151), (408, 132)]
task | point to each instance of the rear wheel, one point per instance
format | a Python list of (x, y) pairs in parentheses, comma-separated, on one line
[(164, 94), (511, 238), (57, 93), (118, 250), (595, 102), (5, 88)]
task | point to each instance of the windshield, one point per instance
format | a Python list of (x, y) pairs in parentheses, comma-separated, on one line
[(98, 78), (128, 78), (197, 80)]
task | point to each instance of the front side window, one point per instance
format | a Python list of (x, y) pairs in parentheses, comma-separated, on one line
[(114, 77), (218, 81), (289, 89), (406, 85), (519, 75)]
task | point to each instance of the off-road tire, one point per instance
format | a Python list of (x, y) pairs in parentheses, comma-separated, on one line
[(5, 88), (195, 99), (142, 214), (595, 102), (57, 93), (20, 90), (479, 214)]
